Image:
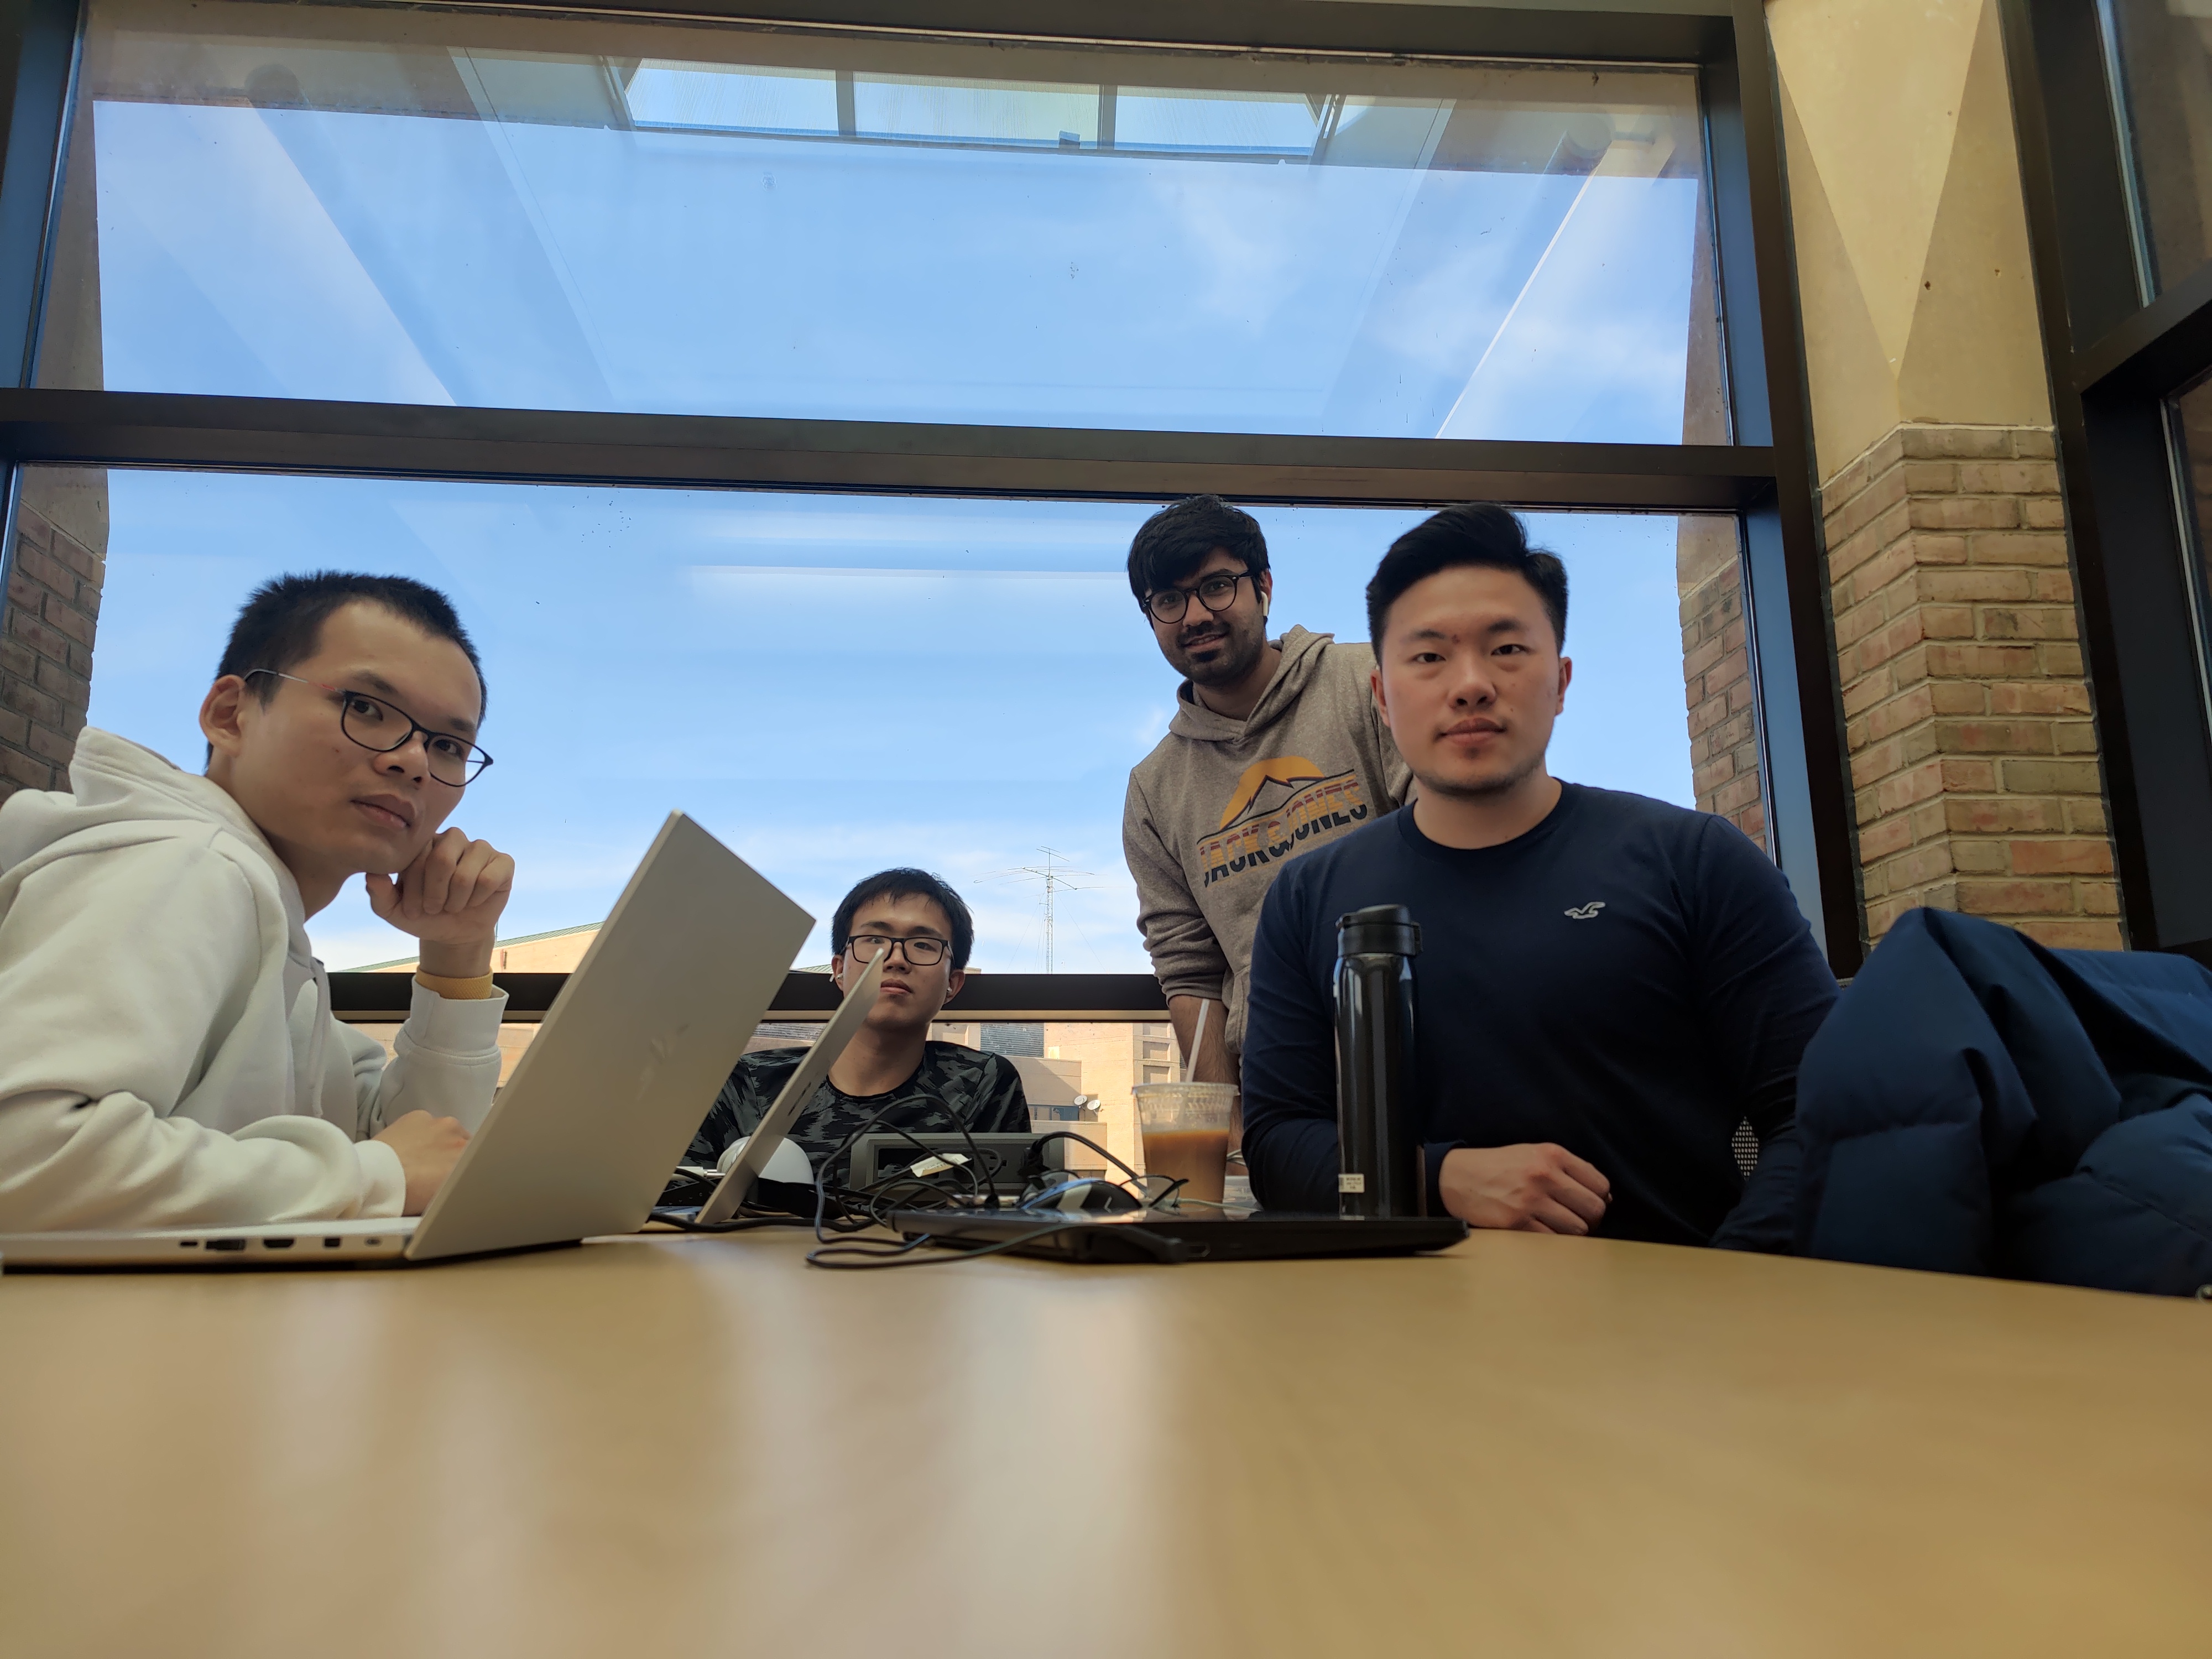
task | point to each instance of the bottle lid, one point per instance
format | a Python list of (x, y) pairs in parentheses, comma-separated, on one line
[(1379, 930)]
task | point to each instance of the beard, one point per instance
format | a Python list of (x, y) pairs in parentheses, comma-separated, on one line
[(1239, 647), (1481, 789)]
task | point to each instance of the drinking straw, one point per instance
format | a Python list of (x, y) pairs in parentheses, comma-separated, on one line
[(1190, 1060)]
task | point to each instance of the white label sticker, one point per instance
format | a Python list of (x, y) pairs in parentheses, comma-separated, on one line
[(1351, 1183)]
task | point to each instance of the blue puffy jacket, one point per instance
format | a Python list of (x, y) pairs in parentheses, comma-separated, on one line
[(1977, 1104)]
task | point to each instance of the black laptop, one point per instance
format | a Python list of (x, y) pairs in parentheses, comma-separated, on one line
[(1170, 1235)]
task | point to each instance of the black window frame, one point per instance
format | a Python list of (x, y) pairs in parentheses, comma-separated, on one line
[(1764, 477), (2114, 359)]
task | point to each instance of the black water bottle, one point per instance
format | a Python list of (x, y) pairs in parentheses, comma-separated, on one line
[(1379, 1142)]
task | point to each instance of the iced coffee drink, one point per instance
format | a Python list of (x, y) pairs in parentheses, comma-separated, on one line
[(1186, 1131)]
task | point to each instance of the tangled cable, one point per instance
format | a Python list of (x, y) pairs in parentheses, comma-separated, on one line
[(844, 1210)]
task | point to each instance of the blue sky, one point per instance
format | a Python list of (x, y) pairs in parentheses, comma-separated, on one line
[(836, 683), (830, 684)]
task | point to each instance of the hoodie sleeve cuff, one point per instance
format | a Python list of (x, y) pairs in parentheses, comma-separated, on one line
[(1208, 990), (454, 1026), (383, 1180)]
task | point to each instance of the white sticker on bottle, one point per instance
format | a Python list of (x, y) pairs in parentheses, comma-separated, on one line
[(1351, 1183)]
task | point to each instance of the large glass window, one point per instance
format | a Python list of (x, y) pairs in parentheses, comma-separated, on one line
[(2190, 415), (456, 290), (832, 684), (2116, 102), (2161, 53), (425, 207)]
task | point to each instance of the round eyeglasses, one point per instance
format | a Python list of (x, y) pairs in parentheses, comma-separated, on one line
[(921, 950), (383, 727), (1217, 593)]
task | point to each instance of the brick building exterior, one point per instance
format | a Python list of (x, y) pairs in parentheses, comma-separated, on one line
[(55, 571), (1716, 676)]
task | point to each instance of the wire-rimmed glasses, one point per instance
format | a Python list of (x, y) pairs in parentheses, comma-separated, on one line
[(382, 727), (921, 950), (1216, 593)]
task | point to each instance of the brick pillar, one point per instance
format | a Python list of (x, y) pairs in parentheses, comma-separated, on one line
[(55, 572), (1716, 675), (1974, 758)]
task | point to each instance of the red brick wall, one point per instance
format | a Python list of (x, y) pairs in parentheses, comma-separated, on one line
[(52, 609), (1716, 675), (1973, 757)]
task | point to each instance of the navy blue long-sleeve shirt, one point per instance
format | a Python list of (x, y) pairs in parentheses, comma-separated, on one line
[(1628, 979)]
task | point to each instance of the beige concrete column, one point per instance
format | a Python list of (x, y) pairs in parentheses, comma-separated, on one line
[(1973, 757)]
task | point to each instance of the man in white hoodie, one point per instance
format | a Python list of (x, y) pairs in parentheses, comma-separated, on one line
[(167, 1054)]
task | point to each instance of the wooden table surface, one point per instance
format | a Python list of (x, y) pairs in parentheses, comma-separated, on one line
[(1527, 1446)]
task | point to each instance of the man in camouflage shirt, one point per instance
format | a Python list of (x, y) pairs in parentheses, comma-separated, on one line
[(890, 1066)]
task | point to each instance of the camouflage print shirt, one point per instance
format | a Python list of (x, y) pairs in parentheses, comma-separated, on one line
[(953, 1085)]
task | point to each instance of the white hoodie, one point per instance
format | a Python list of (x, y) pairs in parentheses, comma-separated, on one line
[(168, 1055)]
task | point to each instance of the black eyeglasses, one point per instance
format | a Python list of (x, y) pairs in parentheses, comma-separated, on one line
[(1217, 593), (382, 727), (921, 950)]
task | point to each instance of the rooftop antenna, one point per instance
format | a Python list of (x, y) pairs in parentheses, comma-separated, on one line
[(1055, 875)]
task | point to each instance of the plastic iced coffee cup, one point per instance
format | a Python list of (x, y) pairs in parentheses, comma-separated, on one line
[(1186, 1129)]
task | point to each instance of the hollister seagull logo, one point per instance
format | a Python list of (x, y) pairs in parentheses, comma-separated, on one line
[(1584, 912)]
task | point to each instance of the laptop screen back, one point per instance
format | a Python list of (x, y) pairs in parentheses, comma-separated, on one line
[(606, 1098)]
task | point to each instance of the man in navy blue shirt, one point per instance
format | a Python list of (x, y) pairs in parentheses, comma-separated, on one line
[(1607, 985)]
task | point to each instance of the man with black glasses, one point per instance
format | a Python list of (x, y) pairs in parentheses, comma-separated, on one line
[(167, 1054), (1275, 748), (890, 1071)]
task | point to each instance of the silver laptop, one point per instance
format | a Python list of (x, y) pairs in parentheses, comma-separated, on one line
[(775, 1123), (599, 1109)]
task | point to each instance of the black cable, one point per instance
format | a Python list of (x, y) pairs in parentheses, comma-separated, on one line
[(852, 1254), (857, 1210), (742, 1222), (1036, 1151), (975, 1167), (855, 1254), (828, 1252)]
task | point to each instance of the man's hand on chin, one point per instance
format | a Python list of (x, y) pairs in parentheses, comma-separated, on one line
[(451, 898), (1530, 1188)]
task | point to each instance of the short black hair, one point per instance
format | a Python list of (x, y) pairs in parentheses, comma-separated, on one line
[(281, 625), (1175, 540), (907, 883), (1474, 533)]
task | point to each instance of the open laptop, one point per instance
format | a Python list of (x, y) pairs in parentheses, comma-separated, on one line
[(601, 1108), (775, 1123)]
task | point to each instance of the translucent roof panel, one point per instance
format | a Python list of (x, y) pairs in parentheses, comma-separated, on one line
[(512, 211)]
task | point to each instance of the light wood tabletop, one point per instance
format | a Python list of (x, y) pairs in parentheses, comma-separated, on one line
[(1525, 1446)]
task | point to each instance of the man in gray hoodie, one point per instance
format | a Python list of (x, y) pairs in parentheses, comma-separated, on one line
[(1275, 748)]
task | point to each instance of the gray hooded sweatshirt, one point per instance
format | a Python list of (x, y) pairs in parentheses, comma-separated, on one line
[(1215, 810)]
